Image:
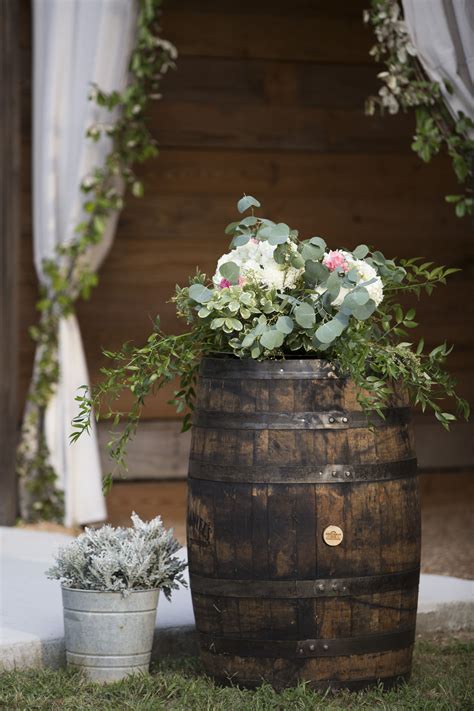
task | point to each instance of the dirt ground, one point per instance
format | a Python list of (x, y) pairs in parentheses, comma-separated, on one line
[(447, 516), (447, 507)]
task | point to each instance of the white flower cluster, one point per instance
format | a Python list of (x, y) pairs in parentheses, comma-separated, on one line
[(121, 559), (256, 263), (368, 277)]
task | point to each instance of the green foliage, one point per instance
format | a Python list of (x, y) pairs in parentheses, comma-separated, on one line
[(441, 681), (67, 276), (142, 371), (245, 202), (405, 87), (349, 315)]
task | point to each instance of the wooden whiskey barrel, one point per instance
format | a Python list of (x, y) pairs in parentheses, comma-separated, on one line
[(303, 528)]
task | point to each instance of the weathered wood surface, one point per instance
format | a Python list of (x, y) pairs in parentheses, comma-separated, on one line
[(334, 130), (279, 117), (217, 80), (9, 251), (161, 451), (302, 32), (272, 600)]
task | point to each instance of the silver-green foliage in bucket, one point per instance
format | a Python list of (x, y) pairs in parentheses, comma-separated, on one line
[(111, 579)]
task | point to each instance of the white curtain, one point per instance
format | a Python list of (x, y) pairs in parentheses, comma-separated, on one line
[(442, 32), (76, 42)]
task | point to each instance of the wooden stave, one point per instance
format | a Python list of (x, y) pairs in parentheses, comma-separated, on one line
[(406, 452)]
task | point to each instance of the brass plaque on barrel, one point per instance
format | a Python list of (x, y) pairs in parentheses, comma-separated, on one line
[(333, 535)]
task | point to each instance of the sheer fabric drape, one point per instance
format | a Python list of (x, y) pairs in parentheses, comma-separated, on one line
[(442, 32), (76, 43)]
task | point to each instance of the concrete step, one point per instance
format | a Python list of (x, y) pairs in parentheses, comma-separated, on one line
[(31, 622)]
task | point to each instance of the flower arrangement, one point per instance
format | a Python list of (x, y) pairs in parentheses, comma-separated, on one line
[(276, 296), (121, 559)]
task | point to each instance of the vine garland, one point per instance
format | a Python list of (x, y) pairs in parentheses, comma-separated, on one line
[(405, 87), (67, 276)]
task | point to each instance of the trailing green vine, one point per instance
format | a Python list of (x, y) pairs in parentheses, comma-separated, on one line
[(68, 277), (275, 296), (406, 87)]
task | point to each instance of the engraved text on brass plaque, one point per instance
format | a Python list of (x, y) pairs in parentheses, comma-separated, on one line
[(333, 535)]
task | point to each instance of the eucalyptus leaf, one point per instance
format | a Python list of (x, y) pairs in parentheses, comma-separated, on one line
[(260, 328), (200, 293), (297, 261), (231, 227), (284, 324), (361, 313), (353, 275), (333, 284), (276, 234), (357, 297), (272, 339), (318, 242), (279, 254), (378, 258), (279, 233), (245, 202), (240, 240), (248, 340), (305, 315), (361, 251), (249, 221), (230, 271), (330, 330), (315, 273), (311, 251)]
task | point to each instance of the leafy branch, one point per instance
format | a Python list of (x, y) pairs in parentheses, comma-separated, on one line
[(142, 371), (406, 87), (68, 275)]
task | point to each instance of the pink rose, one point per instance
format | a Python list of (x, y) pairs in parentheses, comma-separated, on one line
[(242, 280), (224, 284), (334, 259)]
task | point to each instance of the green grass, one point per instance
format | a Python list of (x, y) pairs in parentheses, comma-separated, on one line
[(441, 681)]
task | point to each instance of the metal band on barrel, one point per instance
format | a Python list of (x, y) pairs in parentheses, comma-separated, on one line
[(300, 474), (281, 589), (308, 648), (293, 369), (332, 420)]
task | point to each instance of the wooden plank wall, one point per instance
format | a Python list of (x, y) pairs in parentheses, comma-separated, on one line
[(268, 99)]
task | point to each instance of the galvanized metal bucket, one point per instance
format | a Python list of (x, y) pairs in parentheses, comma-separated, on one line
[(108, 635)]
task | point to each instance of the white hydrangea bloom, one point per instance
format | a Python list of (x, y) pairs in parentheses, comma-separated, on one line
[(256, 262), (366, 273)]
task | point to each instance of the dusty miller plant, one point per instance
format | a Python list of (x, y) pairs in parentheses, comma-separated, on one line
[(121, 559)]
